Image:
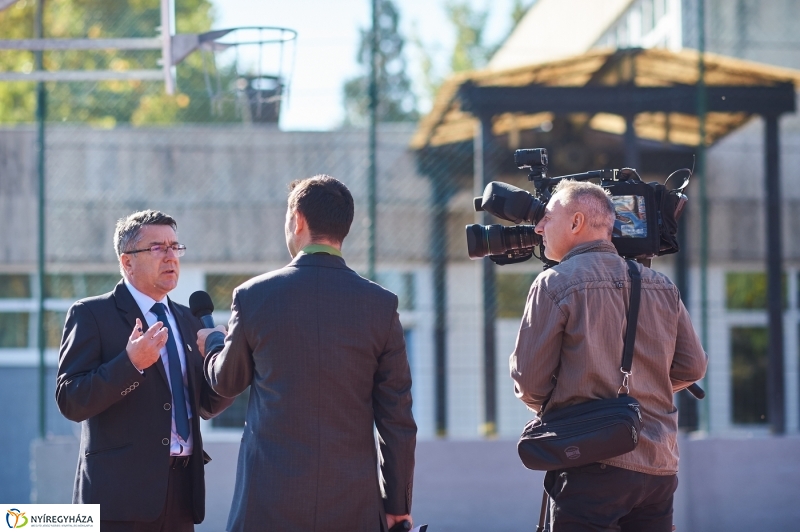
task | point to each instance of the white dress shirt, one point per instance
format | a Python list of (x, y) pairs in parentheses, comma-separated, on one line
[(177, 447)]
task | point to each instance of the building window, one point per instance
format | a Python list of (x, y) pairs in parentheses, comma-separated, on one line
[(220, 288), (659, 9), (14, 327), (749, 374), (79, 285), (54, 327), (512, 292), (400, 283), (15, 286), (648, 16), (234, 416), (748, 291)]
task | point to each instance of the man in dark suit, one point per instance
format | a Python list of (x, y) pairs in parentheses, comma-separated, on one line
[(128, 373), (323, 352)]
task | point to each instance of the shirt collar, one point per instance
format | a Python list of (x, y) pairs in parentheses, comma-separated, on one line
[(594, 245), (144, 301), (321, 248)]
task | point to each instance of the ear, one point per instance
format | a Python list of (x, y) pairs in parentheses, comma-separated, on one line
[(578, 222), (299, 222), (125, 262)]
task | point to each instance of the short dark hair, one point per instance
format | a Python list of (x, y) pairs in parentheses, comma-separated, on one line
[(325, 203), (126, 234)]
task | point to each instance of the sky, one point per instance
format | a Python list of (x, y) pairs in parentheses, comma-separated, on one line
[(328, 39)]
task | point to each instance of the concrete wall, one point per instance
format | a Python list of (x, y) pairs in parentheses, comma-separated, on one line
[(725, 485), (226, 186)]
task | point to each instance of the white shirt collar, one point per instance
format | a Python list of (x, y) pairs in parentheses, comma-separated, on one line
[(144, 301)]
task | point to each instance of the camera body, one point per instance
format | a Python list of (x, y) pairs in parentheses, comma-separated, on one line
[(646, 213)]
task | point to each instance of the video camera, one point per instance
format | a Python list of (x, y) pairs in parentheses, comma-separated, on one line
[(646, 222)]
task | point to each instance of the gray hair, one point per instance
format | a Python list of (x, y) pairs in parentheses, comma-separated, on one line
[(128, 231), (594, 200)]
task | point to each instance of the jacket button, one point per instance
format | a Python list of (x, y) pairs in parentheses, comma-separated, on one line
[(167, 406), (165, 441)]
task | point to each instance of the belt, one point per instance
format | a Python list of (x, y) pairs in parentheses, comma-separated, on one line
[(176, 462)]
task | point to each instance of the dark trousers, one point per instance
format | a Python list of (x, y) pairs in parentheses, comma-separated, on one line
[(599, 497), (177, 515)]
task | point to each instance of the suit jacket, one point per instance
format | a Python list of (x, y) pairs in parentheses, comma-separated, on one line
[(126, 416), (323, 352)]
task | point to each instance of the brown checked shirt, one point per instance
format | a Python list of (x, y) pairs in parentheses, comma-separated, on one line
[(569, 347)]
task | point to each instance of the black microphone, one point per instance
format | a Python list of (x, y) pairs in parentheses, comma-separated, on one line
[(201, 305)]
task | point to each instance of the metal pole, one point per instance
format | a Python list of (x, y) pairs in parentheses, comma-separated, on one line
[(775, 398), (483, 152), (631, 147), (373, 141), (439, 256), (702, 105), (687, 404), (41, 113)]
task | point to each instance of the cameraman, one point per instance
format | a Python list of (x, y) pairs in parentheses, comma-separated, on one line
[(569, 350)]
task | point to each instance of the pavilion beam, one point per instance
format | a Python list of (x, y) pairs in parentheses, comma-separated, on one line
[(776, 415), (626, 100), (483, 172), (631, 147)]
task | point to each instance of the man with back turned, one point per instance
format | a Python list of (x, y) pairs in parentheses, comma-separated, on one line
[(322, 350), (128, 373), (569, 351)]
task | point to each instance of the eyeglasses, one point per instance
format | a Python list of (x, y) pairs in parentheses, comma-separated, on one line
[(161, 249)]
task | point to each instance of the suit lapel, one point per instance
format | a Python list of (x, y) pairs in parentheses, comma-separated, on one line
[(130, 311)]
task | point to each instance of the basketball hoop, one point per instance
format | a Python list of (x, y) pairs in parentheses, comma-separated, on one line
[(248, 69)]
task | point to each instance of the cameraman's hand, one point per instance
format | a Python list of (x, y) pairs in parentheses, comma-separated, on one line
[(392, 520), (202, 334)]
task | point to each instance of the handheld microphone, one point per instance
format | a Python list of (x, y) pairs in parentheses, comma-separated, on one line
[(201, 306)]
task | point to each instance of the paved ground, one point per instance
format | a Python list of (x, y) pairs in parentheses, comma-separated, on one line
[(726, 485), (476, 486)]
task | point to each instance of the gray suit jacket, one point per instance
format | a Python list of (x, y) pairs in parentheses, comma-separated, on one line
[(323, 351)]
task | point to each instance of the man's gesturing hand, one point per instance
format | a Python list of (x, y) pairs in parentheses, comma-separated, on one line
[(202, 334), (143, 347)]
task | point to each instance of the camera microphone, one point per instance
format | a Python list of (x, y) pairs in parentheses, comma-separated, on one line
[(201, 306)]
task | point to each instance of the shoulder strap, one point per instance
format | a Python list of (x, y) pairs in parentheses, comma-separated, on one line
[(633, 317)]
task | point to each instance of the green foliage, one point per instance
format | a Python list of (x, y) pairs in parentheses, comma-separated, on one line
[(512, 292), (470, 51), (748, 290), (396, 102), (105, 104), (518, 11)]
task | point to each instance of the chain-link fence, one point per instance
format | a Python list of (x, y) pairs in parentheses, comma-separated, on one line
[(112, 148)]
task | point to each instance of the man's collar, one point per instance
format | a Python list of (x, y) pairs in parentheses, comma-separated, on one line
[(321, 248), (594, 245), (143, 301)]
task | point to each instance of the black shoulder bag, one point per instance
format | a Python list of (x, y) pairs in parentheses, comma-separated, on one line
[(592, 431)]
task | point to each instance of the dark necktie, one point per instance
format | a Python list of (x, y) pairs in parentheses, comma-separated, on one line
[(175, 376)]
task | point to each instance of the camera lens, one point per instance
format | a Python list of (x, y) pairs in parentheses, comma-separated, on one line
[(510, 203), (483, 240)]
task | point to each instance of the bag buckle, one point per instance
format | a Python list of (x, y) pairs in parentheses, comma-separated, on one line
[(625, 378)]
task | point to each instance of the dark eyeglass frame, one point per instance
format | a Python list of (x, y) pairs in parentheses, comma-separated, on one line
[(161, 249)]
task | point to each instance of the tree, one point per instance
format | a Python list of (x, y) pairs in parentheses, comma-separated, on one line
[(470, 50), (396, 102), (110, 102)]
